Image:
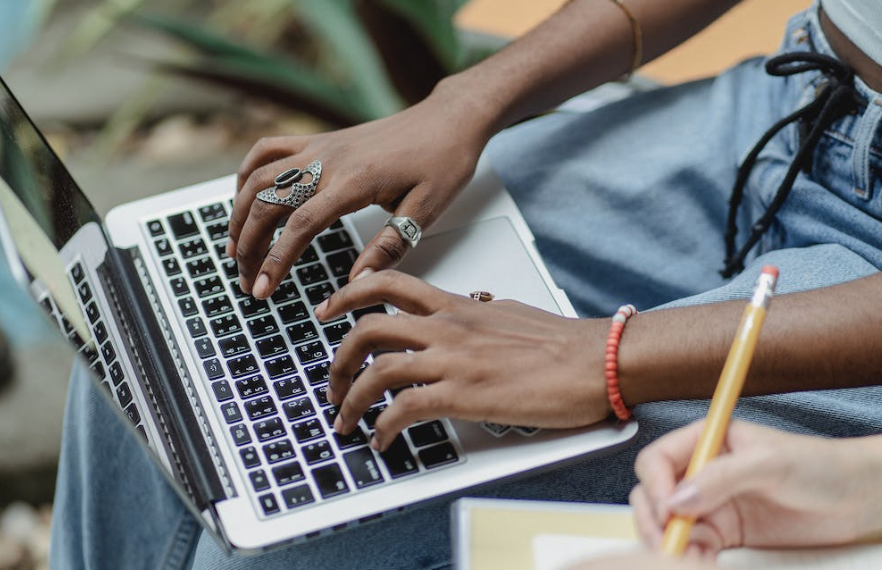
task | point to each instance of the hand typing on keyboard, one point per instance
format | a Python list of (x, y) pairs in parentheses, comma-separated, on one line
[(501, 361), (391, 162)]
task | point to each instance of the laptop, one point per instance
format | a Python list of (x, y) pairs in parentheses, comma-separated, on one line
[(227, 393)]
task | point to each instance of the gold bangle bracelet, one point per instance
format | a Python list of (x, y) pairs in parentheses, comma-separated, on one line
[(637, 34)]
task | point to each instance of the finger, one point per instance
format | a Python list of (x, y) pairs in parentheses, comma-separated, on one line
[(389, 371), (644, 515), (412, 405), (408, 293), (373, 332), (259, 179), (265, 151), (302, 226), (662, 464), (255, 240), (388, 248)]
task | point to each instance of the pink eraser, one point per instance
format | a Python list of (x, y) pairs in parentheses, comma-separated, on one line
[(770, 270)]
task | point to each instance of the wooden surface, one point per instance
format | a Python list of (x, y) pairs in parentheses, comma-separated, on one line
[(751, 28)]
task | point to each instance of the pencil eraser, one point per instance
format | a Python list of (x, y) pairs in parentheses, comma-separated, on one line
[(771, 270)]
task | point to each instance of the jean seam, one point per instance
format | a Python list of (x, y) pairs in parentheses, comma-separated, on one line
[(181, 546)]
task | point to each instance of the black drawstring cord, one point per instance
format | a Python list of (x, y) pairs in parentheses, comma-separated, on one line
[(837, 98)]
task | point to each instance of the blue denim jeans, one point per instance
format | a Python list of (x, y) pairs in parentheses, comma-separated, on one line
[(628, 204)]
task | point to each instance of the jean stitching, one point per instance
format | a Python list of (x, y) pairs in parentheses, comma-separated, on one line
[(178, 553)]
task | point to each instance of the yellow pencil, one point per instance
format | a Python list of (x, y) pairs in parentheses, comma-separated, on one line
[(728, 389)]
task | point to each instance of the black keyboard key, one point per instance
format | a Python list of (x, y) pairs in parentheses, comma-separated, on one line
[(356, 438), (124, 394), (342, 282), (359, 313), (237, 291), (338, 225), (90, 352), (317, 452), (182, 225), (427, 434), (192, 248), (321, 396), (341, 263), (116, 373), (187, 306), (269, 504), (269, 429), (330, 416), (287, 291), (312, 274), (271, 346), (179, 286), (309, 256), (302, 332), (363, 467), (298, 409), (289, 388), (155, 228), (85, 293), (319, 374), (308, 430), (334, 241), (288, 473), (310, 352), (260, 408), (65, 324), (217, 306), (231, 412), (278, 451), (259, 480), (163, 247), (438, 455), (204, 348), (226, 325), (263, 326), (399, 460), (336, 333), (232, 346), (99, 371), (196, 327), (281, 366), (240, 434), (293, 312), (208, 286), (222, 391), (297, 496), (329, 480), (251, 387), (243, 366), (318, 293), (108, 353), (218, 231), (133, 414), (252, 307), (199, 267), (371, 415), (230, 268), (92, 313), (171, 266), (250, 458), (212, 212), (100, 332)]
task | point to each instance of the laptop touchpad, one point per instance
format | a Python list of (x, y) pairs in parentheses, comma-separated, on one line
[(488, 256)]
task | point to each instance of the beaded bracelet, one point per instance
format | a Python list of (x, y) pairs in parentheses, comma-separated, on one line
[(611, 369)]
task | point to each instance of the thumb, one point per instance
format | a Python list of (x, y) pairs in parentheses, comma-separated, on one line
[(724, 479), (389, 246)]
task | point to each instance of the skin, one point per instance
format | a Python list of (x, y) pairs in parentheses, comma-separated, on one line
[(414, 164)]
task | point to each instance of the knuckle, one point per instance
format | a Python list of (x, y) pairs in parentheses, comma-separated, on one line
[(393, 247), (244, 254), (261, 177), (301, 219), (382, 365)]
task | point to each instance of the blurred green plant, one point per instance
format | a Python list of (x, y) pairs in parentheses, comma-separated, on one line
[(19, 21)]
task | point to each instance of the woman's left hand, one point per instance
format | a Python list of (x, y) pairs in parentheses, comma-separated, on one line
[(501, 361)]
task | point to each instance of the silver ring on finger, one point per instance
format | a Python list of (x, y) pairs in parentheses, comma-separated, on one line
[(299, 193), (407, 228)]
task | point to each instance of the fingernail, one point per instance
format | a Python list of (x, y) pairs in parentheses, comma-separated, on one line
[(320, 310), (363, 273), (375, 443), (231, 248), (338, 424), (685, 495), (261, 286)]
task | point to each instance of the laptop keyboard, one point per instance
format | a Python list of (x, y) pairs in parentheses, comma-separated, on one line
[(266, 364)]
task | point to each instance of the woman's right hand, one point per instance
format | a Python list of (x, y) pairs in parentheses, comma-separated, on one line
[(767, 489), (412, 164)]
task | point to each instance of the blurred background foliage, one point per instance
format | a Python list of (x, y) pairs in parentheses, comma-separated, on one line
[(342, 61)]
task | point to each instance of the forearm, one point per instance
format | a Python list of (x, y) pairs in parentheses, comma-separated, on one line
[(820, 339), (585, 44)]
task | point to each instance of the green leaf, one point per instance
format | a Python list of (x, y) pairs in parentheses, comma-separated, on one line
[(193, 35), (434, 20)]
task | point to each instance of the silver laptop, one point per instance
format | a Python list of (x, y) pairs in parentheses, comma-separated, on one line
[(228, 392)]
